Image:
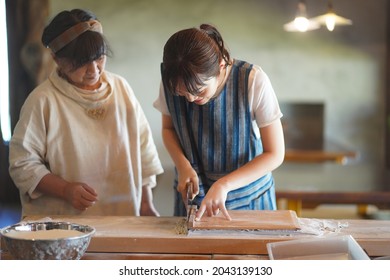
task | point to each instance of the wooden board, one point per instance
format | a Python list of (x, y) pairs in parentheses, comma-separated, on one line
[(249, 220)]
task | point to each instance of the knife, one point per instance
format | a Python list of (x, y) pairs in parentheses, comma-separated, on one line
[(190, 200)]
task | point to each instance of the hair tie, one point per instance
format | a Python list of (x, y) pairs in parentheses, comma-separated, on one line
[(72, 33)]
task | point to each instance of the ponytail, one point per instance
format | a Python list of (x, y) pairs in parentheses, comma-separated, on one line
[(216, 36)]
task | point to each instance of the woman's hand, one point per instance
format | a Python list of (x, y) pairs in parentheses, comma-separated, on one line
[(147, 206), (186, 176), (214, 202), (148, 209), (80, 195)]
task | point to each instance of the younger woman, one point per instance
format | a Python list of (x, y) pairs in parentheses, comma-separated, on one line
[(220, 124)]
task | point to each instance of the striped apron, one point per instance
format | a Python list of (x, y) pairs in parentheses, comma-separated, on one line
[(217, 138)]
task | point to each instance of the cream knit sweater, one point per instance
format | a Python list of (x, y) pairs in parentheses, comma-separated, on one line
[(100, 138)]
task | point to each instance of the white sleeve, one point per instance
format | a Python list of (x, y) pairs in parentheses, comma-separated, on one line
[(263, 101), (150, 181), (160, 103), (28, 146)]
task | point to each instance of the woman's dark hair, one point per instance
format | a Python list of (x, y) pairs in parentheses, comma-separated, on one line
[(191, 55), (87, 47)]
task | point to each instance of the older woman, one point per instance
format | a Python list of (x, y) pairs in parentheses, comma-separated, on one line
[(83, 144)]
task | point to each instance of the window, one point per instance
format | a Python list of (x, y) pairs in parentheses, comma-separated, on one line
[(5, 125)]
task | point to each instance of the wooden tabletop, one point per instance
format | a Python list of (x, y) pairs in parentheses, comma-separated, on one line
[(117, 235)]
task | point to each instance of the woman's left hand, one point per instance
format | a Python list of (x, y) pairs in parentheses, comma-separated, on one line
[(147, 207), (213, 203)]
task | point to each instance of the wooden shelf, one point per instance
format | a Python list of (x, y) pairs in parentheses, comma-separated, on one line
[(298, 199), (319, 156)]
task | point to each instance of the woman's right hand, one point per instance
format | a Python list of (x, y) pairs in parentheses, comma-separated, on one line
[(185, 176), (80, 195)]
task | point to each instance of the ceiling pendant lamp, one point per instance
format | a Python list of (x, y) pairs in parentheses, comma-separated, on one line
[(301, 23), (330, 19)]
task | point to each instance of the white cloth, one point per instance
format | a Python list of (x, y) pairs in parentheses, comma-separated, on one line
[(263, 102), (115, 155)]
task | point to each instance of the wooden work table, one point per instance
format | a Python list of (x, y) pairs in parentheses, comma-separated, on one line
[(155, 238)]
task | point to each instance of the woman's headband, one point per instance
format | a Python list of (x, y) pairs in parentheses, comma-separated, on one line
[(72, 33)]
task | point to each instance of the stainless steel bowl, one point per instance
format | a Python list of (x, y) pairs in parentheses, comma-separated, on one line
[(63, 248)]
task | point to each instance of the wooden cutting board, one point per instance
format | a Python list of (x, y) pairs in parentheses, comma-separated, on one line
[(249, 220)]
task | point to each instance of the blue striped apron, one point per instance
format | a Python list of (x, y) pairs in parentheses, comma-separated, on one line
[(217, 138)]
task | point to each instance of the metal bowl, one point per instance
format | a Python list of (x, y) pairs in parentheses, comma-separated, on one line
[(47, 248)]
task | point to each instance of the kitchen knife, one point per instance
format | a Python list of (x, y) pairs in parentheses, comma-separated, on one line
[(190, 200)]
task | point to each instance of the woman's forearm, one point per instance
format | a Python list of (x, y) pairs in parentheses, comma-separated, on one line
[(52, 185)]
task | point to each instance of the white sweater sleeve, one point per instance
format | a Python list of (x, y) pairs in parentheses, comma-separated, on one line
[(28, 146)]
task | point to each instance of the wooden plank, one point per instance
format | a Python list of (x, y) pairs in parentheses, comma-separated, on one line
[(249, 220), (141, 256)]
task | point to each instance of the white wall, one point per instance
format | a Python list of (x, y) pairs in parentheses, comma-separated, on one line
[(344, 69)]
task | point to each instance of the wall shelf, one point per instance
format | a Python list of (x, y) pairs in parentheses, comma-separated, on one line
[(319, 156)]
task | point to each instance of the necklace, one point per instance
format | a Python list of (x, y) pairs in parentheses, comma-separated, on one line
[(97, 113)]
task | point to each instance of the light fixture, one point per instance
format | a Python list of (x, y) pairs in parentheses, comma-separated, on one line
[(330, 19), (301, 23)]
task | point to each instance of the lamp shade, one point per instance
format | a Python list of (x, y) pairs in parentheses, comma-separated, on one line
[(301, 23), (330, 19)]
